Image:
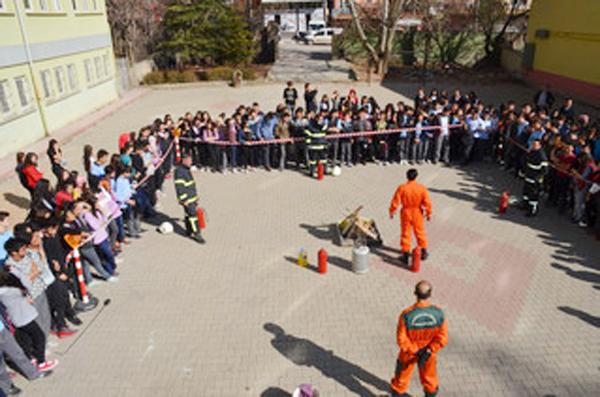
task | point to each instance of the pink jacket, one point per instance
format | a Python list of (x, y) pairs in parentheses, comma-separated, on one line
[(97, 222), (108, 204)]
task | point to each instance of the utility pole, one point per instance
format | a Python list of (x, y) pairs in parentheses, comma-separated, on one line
[(34, 82)]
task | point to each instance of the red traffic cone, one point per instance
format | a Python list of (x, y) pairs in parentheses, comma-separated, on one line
[(503, 202), (416, 260), (320, 171), (322, 261), (201, 218)]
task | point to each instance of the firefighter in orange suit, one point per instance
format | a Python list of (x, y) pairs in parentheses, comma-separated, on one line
[(422, 332), (415, 200)]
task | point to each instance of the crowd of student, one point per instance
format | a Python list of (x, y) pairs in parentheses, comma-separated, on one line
[(453, 128), (104, 207), (98, 212)]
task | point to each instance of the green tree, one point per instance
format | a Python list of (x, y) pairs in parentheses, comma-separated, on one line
[(205, 32), (494, 17)]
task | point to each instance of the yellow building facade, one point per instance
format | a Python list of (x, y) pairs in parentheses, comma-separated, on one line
[(56, 65), (564, 45)]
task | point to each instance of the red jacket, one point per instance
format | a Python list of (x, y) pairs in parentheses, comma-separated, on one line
[(32, 176)]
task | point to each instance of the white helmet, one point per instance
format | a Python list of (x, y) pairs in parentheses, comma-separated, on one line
[(337, 171), (165, 228)]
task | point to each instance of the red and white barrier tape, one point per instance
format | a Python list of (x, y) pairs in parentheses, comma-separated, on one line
[(555, 166), (156, 166), (329, 136)]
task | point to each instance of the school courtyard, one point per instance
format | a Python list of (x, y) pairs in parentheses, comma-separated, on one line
[(238, 317)]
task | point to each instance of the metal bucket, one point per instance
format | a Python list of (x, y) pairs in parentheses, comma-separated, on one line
[(360, 259)]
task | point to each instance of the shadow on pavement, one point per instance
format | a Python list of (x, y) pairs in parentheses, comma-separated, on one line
[(482, 186), (322, 232), (320, 56), (17, 201), (572, 246), (588, 318), (340, 262), (161, 217), (275, 392), (304, 352), (592, 277), (390, 255)]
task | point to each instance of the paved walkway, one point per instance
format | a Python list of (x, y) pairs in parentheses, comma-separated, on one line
[(300, 62), (237, 317)]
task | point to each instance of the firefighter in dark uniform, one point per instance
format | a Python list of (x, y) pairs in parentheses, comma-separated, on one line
[(316, 143), (534, 169), (185, 188)]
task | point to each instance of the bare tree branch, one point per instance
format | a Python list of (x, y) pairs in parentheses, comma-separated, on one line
[(361, 33)]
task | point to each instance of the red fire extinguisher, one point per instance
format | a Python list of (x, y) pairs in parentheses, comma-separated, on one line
[(320, 171), (503, 202), (201, 218), (416, 260), (322, 261)]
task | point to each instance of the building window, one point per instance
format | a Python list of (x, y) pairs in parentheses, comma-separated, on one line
[(23, 91), (98, 64), (59, 76), (74, 5), (95, 5), (86, 5), (89, 73), (46, 83), (57, 5), (27, 5), (2, 6), (72, 76), (106, 60), (43, 5), (4, 102)]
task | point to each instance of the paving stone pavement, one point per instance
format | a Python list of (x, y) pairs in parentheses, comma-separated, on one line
[(237, 317), (300, 62)]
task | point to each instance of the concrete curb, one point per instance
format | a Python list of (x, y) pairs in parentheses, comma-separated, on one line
[(202, 84)]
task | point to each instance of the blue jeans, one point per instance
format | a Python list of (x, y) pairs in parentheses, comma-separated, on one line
[(106, 254), (143, 204), (233, 156), (90, 254), (120, 228)]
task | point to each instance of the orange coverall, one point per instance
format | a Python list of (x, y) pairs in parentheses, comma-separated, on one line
[(414, 198), (420, 326)]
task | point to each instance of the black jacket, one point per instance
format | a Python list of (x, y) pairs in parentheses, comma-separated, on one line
[(536, 164), (185, 186)]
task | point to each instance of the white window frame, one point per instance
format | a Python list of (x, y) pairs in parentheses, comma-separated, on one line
[(59, 78), (85, 7), (28, 5), (107, 68), (22, 86), (43, 5), (5, 102), (72, 77), (98, 67), (94, 5), (2, 5), (58, 6), (47, 88), (89, 71)]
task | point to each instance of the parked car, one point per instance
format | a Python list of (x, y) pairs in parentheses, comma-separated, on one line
[(323, 36), (313, 26)]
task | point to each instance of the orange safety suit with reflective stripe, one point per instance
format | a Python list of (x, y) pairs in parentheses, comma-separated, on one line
[(420, 326), (415, 199)]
